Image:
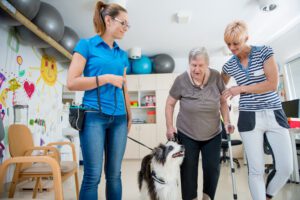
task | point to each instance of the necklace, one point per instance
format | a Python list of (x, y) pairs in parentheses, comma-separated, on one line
[(202, 83)]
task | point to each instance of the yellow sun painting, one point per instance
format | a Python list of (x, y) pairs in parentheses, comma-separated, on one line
[(48, 72)]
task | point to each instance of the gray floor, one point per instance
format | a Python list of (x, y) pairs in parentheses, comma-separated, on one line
[(130, 188)]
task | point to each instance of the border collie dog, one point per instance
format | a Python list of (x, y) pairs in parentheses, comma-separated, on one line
[(158, 177)]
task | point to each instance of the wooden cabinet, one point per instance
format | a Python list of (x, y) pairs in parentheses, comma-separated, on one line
[(141, 82), (144, 133), (150, 134), (132, 82), (143, 106), (132, 148), (164, 81), (147, 137)]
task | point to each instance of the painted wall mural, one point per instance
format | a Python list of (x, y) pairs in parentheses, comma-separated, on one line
[(28, 78)]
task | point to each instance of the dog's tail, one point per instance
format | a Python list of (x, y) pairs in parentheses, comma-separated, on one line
[(145, 172)]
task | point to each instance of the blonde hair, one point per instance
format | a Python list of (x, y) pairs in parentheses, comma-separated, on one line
[(199, 51), (102, 10), (235, 31)]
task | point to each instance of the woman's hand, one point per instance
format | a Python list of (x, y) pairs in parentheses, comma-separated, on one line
[(232, 92), (115, 80), (170, 132), (229, 128)]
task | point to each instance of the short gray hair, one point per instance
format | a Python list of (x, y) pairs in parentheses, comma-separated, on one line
[(199, 51)]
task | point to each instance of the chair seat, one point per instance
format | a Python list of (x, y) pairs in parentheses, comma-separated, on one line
[(233, 143), (43, 168)]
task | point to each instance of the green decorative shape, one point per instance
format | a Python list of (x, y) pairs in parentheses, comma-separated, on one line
[(31, 122), (21, 73)]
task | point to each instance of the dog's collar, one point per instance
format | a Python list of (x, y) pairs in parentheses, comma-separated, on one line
[(155, 178)]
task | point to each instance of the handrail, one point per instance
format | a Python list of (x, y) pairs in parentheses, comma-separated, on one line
[(12, 11)]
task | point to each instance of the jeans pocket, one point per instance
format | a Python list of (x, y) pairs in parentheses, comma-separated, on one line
[(246, 121), (281, 118)]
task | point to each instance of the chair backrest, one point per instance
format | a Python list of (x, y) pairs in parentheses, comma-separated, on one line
[(19, 139)]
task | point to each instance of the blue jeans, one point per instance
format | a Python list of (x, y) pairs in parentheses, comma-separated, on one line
[(102, 134)]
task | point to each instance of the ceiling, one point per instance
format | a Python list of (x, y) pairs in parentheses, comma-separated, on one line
[(154, 28)]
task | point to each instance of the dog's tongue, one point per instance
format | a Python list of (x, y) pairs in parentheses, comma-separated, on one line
[(178, 154)]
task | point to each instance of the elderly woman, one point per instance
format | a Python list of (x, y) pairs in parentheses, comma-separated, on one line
[(255, 71), (198, 124)]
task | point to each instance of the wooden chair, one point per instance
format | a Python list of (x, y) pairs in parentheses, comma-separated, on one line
[(21, 144), (55, 168)]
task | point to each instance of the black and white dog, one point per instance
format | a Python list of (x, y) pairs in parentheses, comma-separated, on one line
[(158, 177)]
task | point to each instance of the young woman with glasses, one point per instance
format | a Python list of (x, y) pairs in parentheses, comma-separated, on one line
[(106, 126)]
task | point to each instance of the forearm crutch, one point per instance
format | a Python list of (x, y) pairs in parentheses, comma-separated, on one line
[(232, 169)]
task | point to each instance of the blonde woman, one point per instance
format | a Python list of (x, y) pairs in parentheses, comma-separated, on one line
[(260, 112), (105, 126)]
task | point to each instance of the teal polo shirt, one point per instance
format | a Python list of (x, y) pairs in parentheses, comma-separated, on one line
[(100, 60)]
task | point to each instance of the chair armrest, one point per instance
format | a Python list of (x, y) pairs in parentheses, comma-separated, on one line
[(56, 154), (30, 159), (65, 143)]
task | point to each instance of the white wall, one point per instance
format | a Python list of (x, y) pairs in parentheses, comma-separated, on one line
[(286, 42), (286, 46)]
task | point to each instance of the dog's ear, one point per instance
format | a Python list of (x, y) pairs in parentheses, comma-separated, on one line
[(158, 153)]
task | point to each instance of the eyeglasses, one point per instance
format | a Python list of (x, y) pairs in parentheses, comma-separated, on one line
[(123, 23)]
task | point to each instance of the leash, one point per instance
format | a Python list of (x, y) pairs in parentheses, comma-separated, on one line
[(140, 143)]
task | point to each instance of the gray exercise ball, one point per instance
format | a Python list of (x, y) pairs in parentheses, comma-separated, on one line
[(28, 8), (29, 38), (49, 21), (163, 63), (69, 40)]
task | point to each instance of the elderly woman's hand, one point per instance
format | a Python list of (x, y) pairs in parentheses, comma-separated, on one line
[(229, 128), (170, 132), (232, 92)]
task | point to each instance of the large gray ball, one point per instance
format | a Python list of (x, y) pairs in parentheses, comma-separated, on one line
[(29, 38), (68, 41), (48, 20), (163, 63), (28, 8)]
